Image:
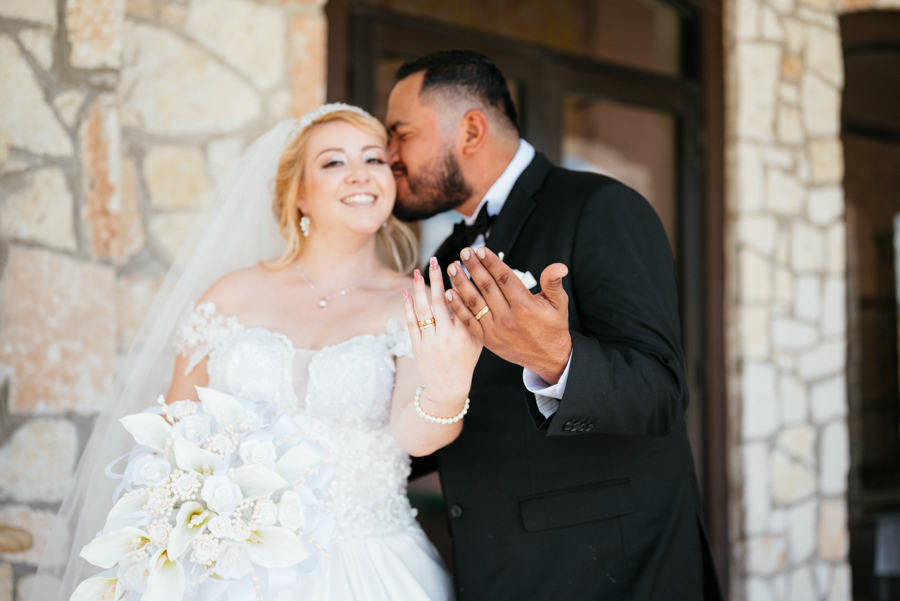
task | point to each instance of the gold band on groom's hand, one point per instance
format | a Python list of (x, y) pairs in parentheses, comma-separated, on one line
[(482, 313)]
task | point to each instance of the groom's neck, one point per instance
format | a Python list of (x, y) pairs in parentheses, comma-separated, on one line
[(482, 169)]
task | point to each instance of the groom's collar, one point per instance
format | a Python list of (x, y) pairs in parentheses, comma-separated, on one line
[(497, 194)]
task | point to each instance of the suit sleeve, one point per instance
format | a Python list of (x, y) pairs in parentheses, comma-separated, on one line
[(627, 371)]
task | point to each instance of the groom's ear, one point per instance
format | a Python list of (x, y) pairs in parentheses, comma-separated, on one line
[(474, 126)]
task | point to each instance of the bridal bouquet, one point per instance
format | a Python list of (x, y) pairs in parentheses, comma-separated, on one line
[(218, 497)]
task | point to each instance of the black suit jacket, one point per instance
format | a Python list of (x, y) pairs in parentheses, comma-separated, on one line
[(600, 501)]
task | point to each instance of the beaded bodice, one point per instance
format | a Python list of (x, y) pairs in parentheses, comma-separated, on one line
[(340, 395)]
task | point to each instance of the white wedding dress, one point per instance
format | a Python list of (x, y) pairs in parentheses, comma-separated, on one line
[(340, 395)]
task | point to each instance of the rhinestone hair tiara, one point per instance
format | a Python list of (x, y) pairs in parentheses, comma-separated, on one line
[(313, 116)]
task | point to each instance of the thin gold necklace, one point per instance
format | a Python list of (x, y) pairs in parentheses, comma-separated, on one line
[(323, 300)]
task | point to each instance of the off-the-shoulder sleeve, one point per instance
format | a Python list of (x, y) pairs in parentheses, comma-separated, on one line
[(399, 343), (200, 330)]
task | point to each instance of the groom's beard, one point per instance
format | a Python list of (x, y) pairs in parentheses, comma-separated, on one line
[(430, 193)]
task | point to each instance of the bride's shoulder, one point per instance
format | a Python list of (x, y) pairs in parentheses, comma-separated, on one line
[(232, 292)]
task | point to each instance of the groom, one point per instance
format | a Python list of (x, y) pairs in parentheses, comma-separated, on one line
[(573, 476)]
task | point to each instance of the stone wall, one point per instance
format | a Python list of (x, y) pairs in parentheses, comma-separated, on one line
[(117, 118), (786, 289)]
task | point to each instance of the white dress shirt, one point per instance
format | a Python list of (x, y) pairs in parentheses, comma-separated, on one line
[(547, 396)]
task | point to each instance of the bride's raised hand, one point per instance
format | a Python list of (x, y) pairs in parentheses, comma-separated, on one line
[(444, 349)]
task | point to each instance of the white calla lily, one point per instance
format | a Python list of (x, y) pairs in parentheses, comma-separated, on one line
[(106, 550), (275, 547), (120, 516), (189, 523), (166, 580), (98, 589), (257, 481), (294, 464), (189, 456), (223, 407), (148, 429)]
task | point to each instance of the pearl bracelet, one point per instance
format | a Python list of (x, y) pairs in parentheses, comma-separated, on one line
[(435, 419)]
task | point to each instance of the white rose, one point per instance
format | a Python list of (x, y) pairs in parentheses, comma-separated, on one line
[(181, 409), (221, 444), (205, 548), (158, 533), (255, 452), (150, 470), (194, 427), (267, 513), (133, 575), (219, 526), (249, 421), (159, 500), (290, 511), (240, 531), (186, 485), (221, 494), (233, 563)]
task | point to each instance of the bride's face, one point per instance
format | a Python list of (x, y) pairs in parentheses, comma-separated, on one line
[(348, 183)]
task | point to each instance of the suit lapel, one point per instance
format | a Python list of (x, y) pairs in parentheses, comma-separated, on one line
[(518, 206)]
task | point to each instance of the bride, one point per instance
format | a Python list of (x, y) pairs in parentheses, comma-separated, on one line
[(318, 325)]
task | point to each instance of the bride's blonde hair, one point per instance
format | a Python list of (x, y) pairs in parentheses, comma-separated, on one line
[(399, 241)]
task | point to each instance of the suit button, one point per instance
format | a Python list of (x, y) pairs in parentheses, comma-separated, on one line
[(567, 426), (456, 511)]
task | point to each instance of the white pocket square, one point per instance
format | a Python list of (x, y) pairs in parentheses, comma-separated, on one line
[(526, 278)]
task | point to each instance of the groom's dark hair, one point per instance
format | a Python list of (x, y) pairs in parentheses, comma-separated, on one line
[(465, 71)]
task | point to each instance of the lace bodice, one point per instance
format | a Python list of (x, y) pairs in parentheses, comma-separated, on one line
[(340, 395)]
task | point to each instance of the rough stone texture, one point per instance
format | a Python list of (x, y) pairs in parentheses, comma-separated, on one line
[(221, 155), (250, 37), (36, 462), (57, 332), (170, 87), (834, 538), (6, 582), (39, 43), (95, 32), (38, 523), (67, 105), (26, 119), (170, 230), (307, 55), (134, 295), (37, 11), (41, 210), (176, 177)]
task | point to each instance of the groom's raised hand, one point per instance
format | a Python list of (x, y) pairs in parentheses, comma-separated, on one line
[(531, 330)]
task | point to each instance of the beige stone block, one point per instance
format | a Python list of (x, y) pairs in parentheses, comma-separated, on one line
[(250, 37), (776, 156), (836, 247), (278, 104), (825, 205), (41, 211), (756, 277), (307, 46), (834, 537), (26, 120), (784, 193), (791, 67), (67, 105), (783, 7), (139, 8), (826, 161), (757, 589), (829, 399), (766, 555), (854, 5), (827, 359), (758, 232), (790, 125), (834, 312), (822, 572), (801, 587), (39, 43), (840, 584), (784, 286), (134, 295), (792, 480), (171, 87), (782, 247), (175, 177), (111, 220), (834, 453), (759, 401), (824, 55), (793, 400), (173, 14), (802, 530), (821, 104), (744, 22), (888, 3), (771, 25), (36, 462), (37, 11), (7, 578), (57, 339), (95, 32), (756, 89), (745, 186), (791, 334), (170, 230), (795, 32), (823, 5), (807, 248), (38, 523), (798, 442), (221, 155), (789, 92), (754, 327), (756, 499)]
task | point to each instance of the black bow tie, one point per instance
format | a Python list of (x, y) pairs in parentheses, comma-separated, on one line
[(463, 235)]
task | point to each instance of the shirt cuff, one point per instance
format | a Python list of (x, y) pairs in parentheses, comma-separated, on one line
[(547, 396)]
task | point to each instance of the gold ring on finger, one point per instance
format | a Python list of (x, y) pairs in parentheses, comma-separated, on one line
[(427, 325), (427, 322), (482, 313)]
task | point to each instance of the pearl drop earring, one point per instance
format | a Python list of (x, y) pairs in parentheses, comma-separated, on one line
[(304, 226)]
